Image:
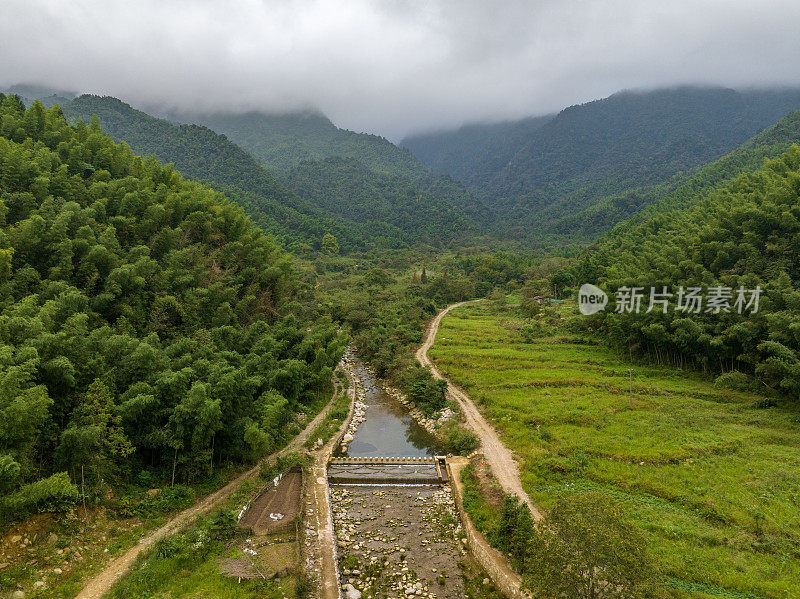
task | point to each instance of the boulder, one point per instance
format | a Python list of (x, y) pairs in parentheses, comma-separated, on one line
[(351, 592)]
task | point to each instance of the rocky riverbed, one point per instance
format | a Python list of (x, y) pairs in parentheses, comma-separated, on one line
[(397, 542)]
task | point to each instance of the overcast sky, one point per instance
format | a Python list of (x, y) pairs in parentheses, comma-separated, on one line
[(393, 67)]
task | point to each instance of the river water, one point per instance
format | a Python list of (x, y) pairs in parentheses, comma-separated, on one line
[(388, 430)]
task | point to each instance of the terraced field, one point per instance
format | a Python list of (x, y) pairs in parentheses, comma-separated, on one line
[(712, 476)]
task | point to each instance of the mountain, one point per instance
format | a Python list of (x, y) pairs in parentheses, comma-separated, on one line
[(146, 323), (618, 150), (307, 151), (659, 200), (299, 221), (346, 187), (200, 153), (281, 141), (458, 153), (604, 259), (48, 96)]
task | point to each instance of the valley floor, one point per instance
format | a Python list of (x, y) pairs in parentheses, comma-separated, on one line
[(709, 475)]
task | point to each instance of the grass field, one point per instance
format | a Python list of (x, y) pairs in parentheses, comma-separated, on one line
[(709, 476)]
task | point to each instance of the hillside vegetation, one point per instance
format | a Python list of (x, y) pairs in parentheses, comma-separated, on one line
[(282, 141), (346, 187), (335, 196), (148, 329), (200, 153), (618, 150), (658, 200), (308, 149), (743, 235)]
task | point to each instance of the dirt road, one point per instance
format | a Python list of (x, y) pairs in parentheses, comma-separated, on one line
[(500, 459), (103, 582)]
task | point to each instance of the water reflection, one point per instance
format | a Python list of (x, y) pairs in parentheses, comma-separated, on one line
[(388, 430)]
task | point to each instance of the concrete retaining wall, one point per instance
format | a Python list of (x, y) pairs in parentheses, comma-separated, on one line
[(493, 562)]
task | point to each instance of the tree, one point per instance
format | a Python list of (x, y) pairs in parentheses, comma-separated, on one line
[(583, 549), (94, 440), (330, 245), (429, 393), (514, 530)]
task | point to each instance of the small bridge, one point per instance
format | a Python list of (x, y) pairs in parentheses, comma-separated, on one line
[(387, 471)]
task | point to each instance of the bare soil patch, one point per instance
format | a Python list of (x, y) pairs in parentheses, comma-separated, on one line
[(276, 508), (488, 486)]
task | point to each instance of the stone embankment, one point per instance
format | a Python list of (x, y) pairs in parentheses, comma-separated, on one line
[(319, 548), (432, 425), (491, 560), (359, 409)]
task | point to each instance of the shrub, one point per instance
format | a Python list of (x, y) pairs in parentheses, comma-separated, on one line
[(53, 494), (427, 392), (533, 331), (513, 530), (738, 381), (168, 499), (460, 441)]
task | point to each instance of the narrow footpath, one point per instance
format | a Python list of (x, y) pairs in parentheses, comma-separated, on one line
[(105, 579), (500, 459)]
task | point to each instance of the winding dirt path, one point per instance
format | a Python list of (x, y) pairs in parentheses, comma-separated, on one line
[(104, 580), (500, 459)]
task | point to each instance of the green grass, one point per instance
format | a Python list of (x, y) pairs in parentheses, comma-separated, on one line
[(483, 515), (711, 480), (332, 421)]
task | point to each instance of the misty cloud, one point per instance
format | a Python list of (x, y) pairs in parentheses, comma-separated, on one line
[(394, 67)]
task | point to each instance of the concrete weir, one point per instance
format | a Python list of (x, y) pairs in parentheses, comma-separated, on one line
[(387, 471)]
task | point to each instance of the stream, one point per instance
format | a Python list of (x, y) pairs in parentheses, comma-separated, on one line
[(388, 430)]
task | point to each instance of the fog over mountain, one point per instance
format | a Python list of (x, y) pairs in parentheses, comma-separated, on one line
[(394, 68)]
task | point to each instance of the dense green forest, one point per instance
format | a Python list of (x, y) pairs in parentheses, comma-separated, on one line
[(303, 147), (620, 151), (742, 235), (634, 206), (457, 153), (146, 323), (346, 187), (282, 141), (317, 198), (202, 154)]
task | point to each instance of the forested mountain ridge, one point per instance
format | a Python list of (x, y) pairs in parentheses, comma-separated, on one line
[(745, 234), (300, 220), (303, 146), (457, 153), (281, 141), (624, 144), (146, 323), (627, 210), (48, 96), (346, 187), (202, 154)]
